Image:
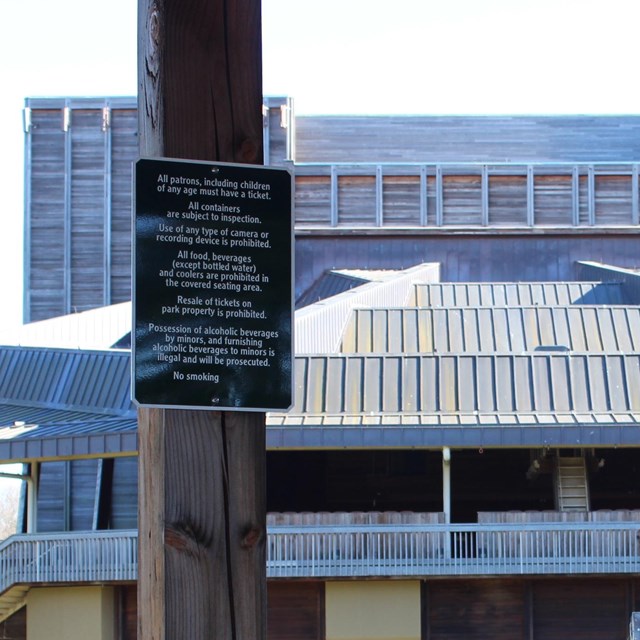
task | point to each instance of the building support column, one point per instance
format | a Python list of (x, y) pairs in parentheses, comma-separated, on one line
[(446, 484), (32, 498)]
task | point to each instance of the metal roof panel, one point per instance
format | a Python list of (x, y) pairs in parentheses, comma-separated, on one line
[(451, 384), (481, 294), (493, 329), (95, 381)]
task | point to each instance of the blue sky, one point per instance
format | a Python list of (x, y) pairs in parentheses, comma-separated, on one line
[(334, 56)]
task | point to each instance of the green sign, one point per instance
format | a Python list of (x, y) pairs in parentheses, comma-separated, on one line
[(212, 286)]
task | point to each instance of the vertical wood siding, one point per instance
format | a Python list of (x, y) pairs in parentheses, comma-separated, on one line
[(472, 610), (124, 494), (79, 222), (84, 491), (53, 490), (295, 610), (127, 612), (69, 493), (124, 127), (87, 188), (546, 609), (45, 275), (579, 609)]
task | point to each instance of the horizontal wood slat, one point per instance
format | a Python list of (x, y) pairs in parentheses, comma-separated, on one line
[(447, 138), (510, 196)]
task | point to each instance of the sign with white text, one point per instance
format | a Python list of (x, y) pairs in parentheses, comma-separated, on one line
[(213, 286)]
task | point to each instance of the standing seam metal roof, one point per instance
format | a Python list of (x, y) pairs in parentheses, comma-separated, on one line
[(93, 381), (57, 403), (445, 386), (475, 294), (486, 393), (493, 329)]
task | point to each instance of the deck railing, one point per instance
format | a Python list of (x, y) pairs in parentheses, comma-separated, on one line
[(99, 556), (450, 550), (467, 195), (354, 551)]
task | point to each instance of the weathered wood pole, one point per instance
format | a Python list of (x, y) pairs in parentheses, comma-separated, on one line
[(201, 473)]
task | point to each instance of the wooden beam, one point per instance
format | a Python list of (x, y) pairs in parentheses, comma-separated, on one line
[(68, 172), (202, 504), (199, 76)]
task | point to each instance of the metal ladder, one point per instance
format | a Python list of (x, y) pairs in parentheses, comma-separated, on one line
[(572, 489)]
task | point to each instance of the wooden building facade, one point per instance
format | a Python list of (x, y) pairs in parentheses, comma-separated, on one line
[(462, 457), (470, 193)]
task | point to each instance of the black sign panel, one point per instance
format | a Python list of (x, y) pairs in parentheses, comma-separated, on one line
[(213, 286)]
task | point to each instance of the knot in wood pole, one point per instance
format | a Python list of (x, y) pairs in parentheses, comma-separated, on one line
[(185, 539), (249, 152), (154, 31), (252, 536), (152, 28)]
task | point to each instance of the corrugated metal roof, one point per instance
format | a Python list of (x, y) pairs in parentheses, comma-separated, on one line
[(94, 381), (65, 404), (493, 329), (448, 376), (481, 294), (327, 285), (461, 368), (11, 413), (359, 386), (93, 438), (37, 423)]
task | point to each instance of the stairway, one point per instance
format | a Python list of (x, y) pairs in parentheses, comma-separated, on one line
[(572, 490), (12, 599)]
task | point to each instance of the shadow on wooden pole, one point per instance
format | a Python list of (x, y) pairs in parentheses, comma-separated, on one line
[(202, 505)]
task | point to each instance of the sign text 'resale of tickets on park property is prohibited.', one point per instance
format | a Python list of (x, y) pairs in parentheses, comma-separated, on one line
[(213, 286)]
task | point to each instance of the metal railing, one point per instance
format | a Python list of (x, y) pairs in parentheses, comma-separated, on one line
[(353, 551), (451, 550), (98, 556), (571, 194)]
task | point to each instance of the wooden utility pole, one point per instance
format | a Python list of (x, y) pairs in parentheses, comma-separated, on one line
[(202, 531)]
